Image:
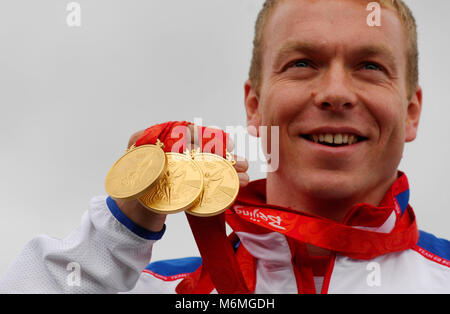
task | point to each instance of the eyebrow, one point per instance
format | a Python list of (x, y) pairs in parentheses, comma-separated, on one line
[(309, 48)]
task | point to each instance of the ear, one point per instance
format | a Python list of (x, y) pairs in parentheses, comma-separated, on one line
[(252, 109), (413, 115)]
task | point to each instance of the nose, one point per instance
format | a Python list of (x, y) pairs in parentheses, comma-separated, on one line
[(334, 90)]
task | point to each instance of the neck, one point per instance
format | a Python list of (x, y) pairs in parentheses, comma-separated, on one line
[(288, 195)]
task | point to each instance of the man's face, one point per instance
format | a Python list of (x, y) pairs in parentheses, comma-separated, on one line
[(329, 77)]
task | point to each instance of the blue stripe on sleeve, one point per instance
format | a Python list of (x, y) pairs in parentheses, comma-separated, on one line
[(130, 225), (175, 266)]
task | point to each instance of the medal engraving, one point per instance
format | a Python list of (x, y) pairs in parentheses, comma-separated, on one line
[(178, 189), (221, 185), (135, 172)]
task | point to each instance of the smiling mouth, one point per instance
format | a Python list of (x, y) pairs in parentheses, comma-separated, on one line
[(334, 140)]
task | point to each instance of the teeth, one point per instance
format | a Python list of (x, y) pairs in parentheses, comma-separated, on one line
[(345, 138), (338, 139), (315, 138), (351, 139), (329, 138)]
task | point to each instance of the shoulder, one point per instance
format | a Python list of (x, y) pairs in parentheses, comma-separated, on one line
[(434, 248), (173, 269)]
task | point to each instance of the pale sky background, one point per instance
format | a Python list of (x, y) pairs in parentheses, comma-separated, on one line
[(71, 97)]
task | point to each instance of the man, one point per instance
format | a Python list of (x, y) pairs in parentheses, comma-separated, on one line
[(333, 217)]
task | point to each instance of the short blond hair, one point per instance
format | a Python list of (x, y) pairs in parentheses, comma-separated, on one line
[(404, 13)]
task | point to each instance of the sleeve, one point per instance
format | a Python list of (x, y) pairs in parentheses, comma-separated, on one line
[(105, 254)]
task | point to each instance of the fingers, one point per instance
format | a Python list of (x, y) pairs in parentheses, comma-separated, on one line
[(241, 164), (241, 167), (134, 138), (244, 179), (194, 140), (230, 144)]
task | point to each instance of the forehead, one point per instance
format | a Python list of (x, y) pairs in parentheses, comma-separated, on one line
[(337, 25)]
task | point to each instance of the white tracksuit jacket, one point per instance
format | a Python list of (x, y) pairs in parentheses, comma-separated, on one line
[(110, 254)]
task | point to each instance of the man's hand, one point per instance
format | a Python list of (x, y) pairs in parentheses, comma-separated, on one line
[(154, 222)]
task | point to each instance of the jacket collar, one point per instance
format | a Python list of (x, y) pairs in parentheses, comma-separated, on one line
[(382, 218)]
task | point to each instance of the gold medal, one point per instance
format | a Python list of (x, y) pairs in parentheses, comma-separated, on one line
[(136, 172), (220, 184), (178, 189)]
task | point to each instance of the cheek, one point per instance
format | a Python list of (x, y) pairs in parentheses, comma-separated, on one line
[(386, 110), (388, 148), (280, 105), (392, 124), (282, 102)]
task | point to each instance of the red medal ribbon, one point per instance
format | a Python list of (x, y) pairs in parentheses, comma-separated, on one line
[(227, 275), (342, 239), (212, 141), (173, 134), (217, 252)]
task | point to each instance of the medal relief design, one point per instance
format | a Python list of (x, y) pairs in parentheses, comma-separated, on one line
[(133, 177), (172, 178), (179, 187), (212, 178), (135, 172), (220, 186)]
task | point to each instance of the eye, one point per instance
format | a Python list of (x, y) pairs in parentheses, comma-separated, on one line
[(372, 66), (300, 64)]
